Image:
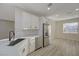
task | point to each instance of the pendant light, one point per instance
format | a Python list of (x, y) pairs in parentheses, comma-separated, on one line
[(49, 5)]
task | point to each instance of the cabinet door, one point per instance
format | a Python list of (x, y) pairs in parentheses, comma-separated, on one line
[(26, 20), (23, 48), (34, 21), (32, 45), (29, 20), (38, 42)]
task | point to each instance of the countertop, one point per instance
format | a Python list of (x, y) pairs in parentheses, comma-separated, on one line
[(6, 50)]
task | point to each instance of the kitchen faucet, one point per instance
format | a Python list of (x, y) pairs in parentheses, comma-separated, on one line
[(11, 35)]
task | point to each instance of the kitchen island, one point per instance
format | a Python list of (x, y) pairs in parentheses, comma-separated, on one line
[(22, 48)]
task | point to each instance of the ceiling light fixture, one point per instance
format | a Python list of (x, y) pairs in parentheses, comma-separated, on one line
[(49, 5), (77, 9), (48, 8)]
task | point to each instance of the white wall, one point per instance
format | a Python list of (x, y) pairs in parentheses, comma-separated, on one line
[(5, 28), (7, 12), (52, 31), (66, 43)]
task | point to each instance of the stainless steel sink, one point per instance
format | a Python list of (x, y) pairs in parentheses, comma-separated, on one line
[(16, 42)]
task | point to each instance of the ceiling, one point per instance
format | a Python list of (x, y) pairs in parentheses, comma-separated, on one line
[(58, 11)]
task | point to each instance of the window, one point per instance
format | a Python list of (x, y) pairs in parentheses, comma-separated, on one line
[(70, 27)]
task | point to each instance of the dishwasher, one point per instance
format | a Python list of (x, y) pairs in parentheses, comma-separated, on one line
[(38, 43)]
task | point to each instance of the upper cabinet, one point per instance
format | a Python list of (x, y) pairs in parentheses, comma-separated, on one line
[(26, 20), (30, 21), (34, 22)]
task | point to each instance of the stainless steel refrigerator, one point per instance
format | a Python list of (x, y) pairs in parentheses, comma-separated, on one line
[(45, 35)]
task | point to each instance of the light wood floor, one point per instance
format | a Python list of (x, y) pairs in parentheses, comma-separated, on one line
[(47, 51), (60, 47)]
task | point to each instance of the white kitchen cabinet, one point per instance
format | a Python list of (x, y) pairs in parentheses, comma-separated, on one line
[(38, 42), (34, 44), (31, 45), (23, 48), (25, 23), (30, 21), (34, 21), (26, 19), (27, 46)]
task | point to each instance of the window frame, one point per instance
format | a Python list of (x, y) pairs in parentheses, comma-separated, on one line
[(71, 32)]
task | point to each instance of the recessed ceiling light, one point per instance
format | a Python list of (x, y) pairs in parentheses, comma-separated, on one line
[(48, 8), (77, 9), (57, 15)]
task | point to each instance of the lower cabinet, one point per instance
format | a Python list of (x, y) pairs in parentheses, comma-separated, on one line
[(23, 48), (28, 45), (31, 45), (34, 44), (38, 43)]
